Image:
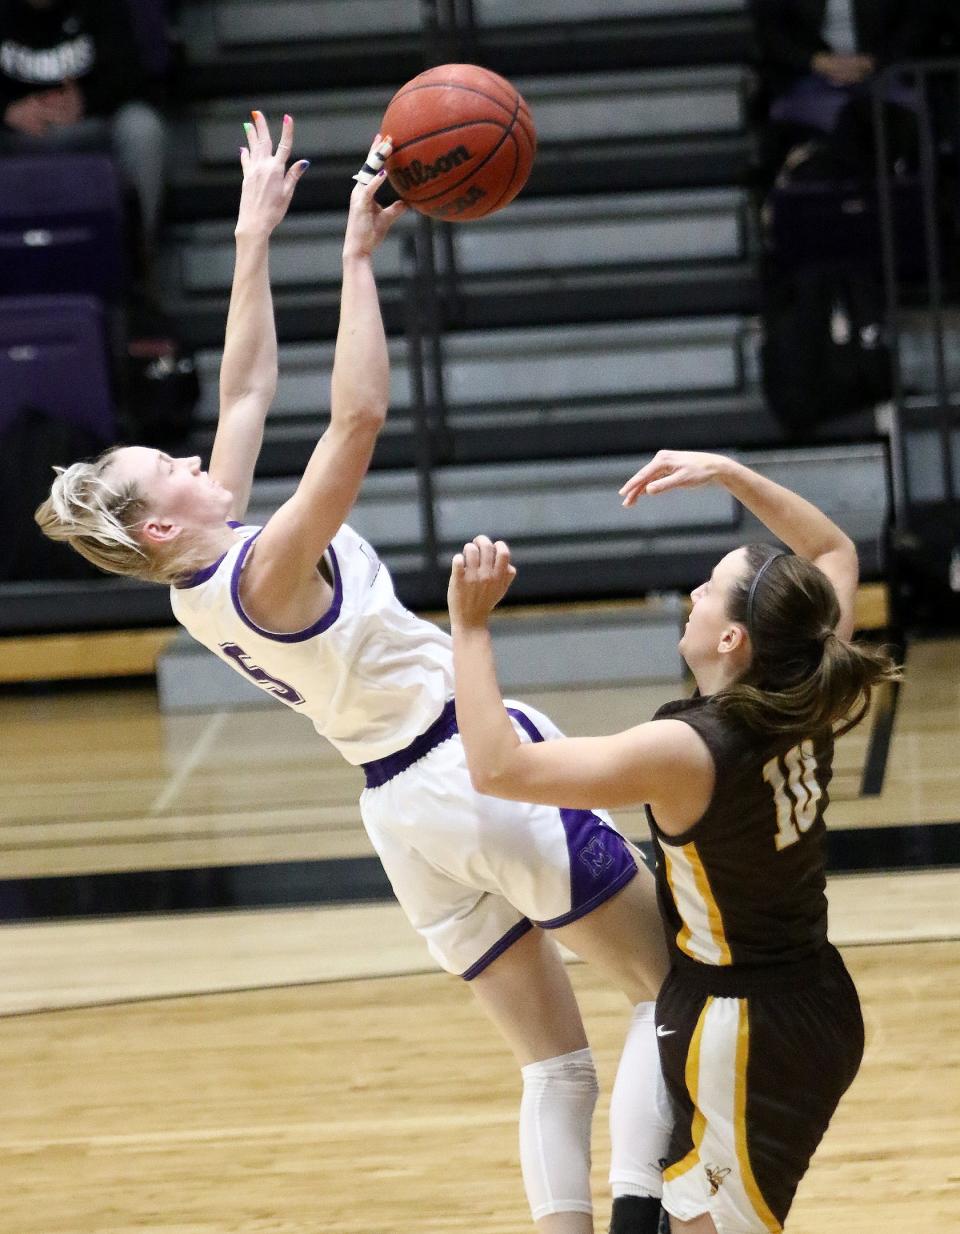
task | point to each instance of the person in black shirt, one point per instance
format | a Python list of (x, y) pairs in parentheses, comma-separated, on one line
[(71, 79), (817, 61), (840, 42), (758, 1022)]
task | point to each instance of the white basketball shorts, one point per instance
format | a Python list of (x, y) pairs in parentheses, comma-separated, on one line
[(472, 873)]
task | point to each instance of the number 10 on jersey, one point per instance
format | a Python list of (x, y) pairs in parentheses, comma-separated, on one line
[(796, 795)]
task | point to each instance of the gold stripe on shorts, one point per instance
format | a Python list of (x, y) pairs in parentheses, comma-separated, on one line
[(699, 1124)]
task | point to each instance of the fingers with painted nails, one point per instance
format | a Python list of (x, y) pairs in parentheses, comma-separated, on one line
[(268, 185)]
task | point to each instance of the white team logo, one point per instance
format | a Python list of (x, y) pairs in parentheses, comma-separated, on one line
[(663, 1031), (595, 856)]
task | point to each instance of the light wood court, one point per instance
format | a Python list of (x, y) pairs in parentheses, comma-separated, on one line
[(304, 1069), (380, 1105)]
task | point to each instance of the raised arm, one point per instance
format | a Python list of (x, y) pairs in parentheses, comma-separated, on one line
[(248, 371), (790, 517), (663, 762), (282, 578)]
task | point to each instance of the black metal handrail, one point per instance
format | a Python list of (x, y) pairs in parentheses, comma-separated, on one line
[(921, 73)]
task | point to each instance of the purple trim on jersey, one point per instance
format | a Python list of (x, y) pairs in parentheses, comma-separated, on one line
[(381, 770), (600, 861), (298, 636), (206, 572), (497, 949), (201, 576)]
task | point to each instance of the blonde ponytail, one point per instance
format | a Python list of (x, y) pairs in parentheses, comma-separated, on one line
[(98, 518)]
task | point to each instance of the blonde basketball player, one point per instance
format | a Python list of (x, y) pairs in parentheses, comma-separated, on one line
[(304, 608)]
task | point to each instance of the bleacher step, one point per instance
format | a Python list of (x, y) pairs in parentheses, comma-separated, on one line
[(614, 166), (330, 35), (532, 237)]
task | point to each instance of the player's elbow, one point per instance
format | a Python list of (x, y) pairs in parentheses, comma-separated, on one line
[(366, 416), (493, 780), (482, 780)]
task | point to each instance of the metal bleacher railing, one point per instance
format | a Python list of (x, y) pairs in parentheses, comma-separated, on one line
[(925, 417)]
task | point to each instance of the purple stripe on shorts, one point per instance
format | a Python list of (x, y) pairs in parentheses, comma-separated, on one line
[(600, 861), (526, 724), (608, 852), (497, 949), (383, 769)]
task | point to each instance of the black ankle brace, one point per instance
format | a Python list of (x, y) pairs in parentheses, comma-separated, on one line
[(635, 1214)]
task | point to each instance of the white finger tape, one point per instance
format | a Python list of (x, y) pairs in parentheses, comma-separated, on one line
[(374, 161)]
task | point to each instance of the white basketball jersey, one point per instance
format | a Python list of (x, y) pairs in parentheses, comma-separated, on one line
[(369, 674)]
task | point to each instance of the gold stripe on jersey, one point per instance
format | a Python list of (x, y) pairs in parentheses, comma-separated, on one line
[(692, 1076), (750, 1186), (702, 936)]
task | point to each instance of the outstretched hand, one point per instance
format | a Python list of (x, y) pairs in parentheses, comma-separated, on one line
[(267, 184), (480, 577), (670, 469), (368, 222)]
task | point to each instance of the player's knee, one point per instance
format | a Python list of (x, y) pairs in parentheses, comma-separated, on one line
[(556, 1113)]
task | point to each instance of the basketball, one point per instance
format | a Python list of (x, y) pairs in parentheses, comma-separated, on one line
[(463, 142)]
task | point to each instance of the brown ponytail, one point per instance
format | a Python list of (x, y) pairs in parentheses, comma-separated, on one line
[(803, 677)]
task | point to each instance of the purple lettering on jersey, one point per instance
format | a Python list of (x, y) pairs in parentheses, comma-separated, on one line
[(261, 676)]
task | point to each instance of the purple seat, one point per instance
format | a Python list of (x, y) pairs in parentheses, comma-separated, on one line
[(149, 19), (53, 356), (61, 225)]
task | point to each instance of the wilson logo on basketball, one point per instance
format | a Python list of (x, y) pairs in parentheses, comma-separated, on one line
[(417, 173)]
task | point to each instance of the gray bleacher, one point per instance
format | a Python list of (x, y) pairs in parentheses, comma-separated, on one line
[(216, 25), (545, 367), (572, 109), (609, 232), (556, 508)]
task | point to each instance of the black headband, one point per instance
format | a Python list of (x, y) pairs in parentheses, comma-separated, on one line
[(752, 593)]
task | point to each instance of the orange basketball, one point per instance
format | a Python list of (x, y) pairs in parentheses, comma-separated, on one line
[(463, 142)]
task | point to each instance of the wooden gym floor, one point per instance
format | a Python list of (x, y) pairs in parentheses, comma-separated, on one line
[(259, 1059)]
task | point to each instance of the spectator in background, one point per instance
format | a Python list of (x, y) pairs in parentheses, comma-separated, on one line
[(815, 53), (71, 79), (818, 57)]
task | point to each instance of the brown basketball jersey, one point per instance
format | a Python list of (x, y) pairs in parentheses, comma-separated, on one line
[(746, 883)]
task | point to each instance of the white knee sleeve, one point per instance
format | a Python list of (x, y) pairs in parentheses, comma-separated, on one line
[(556, 1112), (641, 1117)]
